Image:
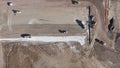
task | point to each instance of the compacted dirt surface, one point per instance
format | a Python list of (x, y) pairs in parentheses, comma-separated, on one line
[(45, 18)]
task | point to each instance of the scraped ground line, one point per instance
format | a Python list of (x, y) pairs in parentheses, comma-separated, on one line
[(80, 39)]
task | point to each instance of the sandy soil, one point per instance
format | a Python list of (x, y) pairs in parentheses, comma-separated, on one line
[(45, 17), (43, 30), (57, 55), (36, 13), (114, 12)]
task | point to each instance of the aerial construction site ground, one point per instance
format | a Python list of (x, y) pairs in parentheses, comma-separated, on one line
[(59, 34)]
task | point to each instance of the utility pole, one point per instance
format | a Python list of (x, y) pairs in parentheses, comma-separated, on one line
[(89, 24)]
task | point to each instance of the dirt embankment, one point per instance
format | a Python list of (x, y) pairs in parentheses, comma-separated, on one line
[(56, 55)]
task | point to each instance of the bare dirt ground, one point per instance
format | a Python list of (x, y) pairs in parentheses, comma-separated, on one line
[(57, 55), (43, 30), (114, 12), (45, 18), (37, 13)]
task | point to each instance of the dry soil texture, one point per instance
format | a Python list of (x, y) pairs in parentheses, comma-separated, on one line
[(114, 12), (56, 55)]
